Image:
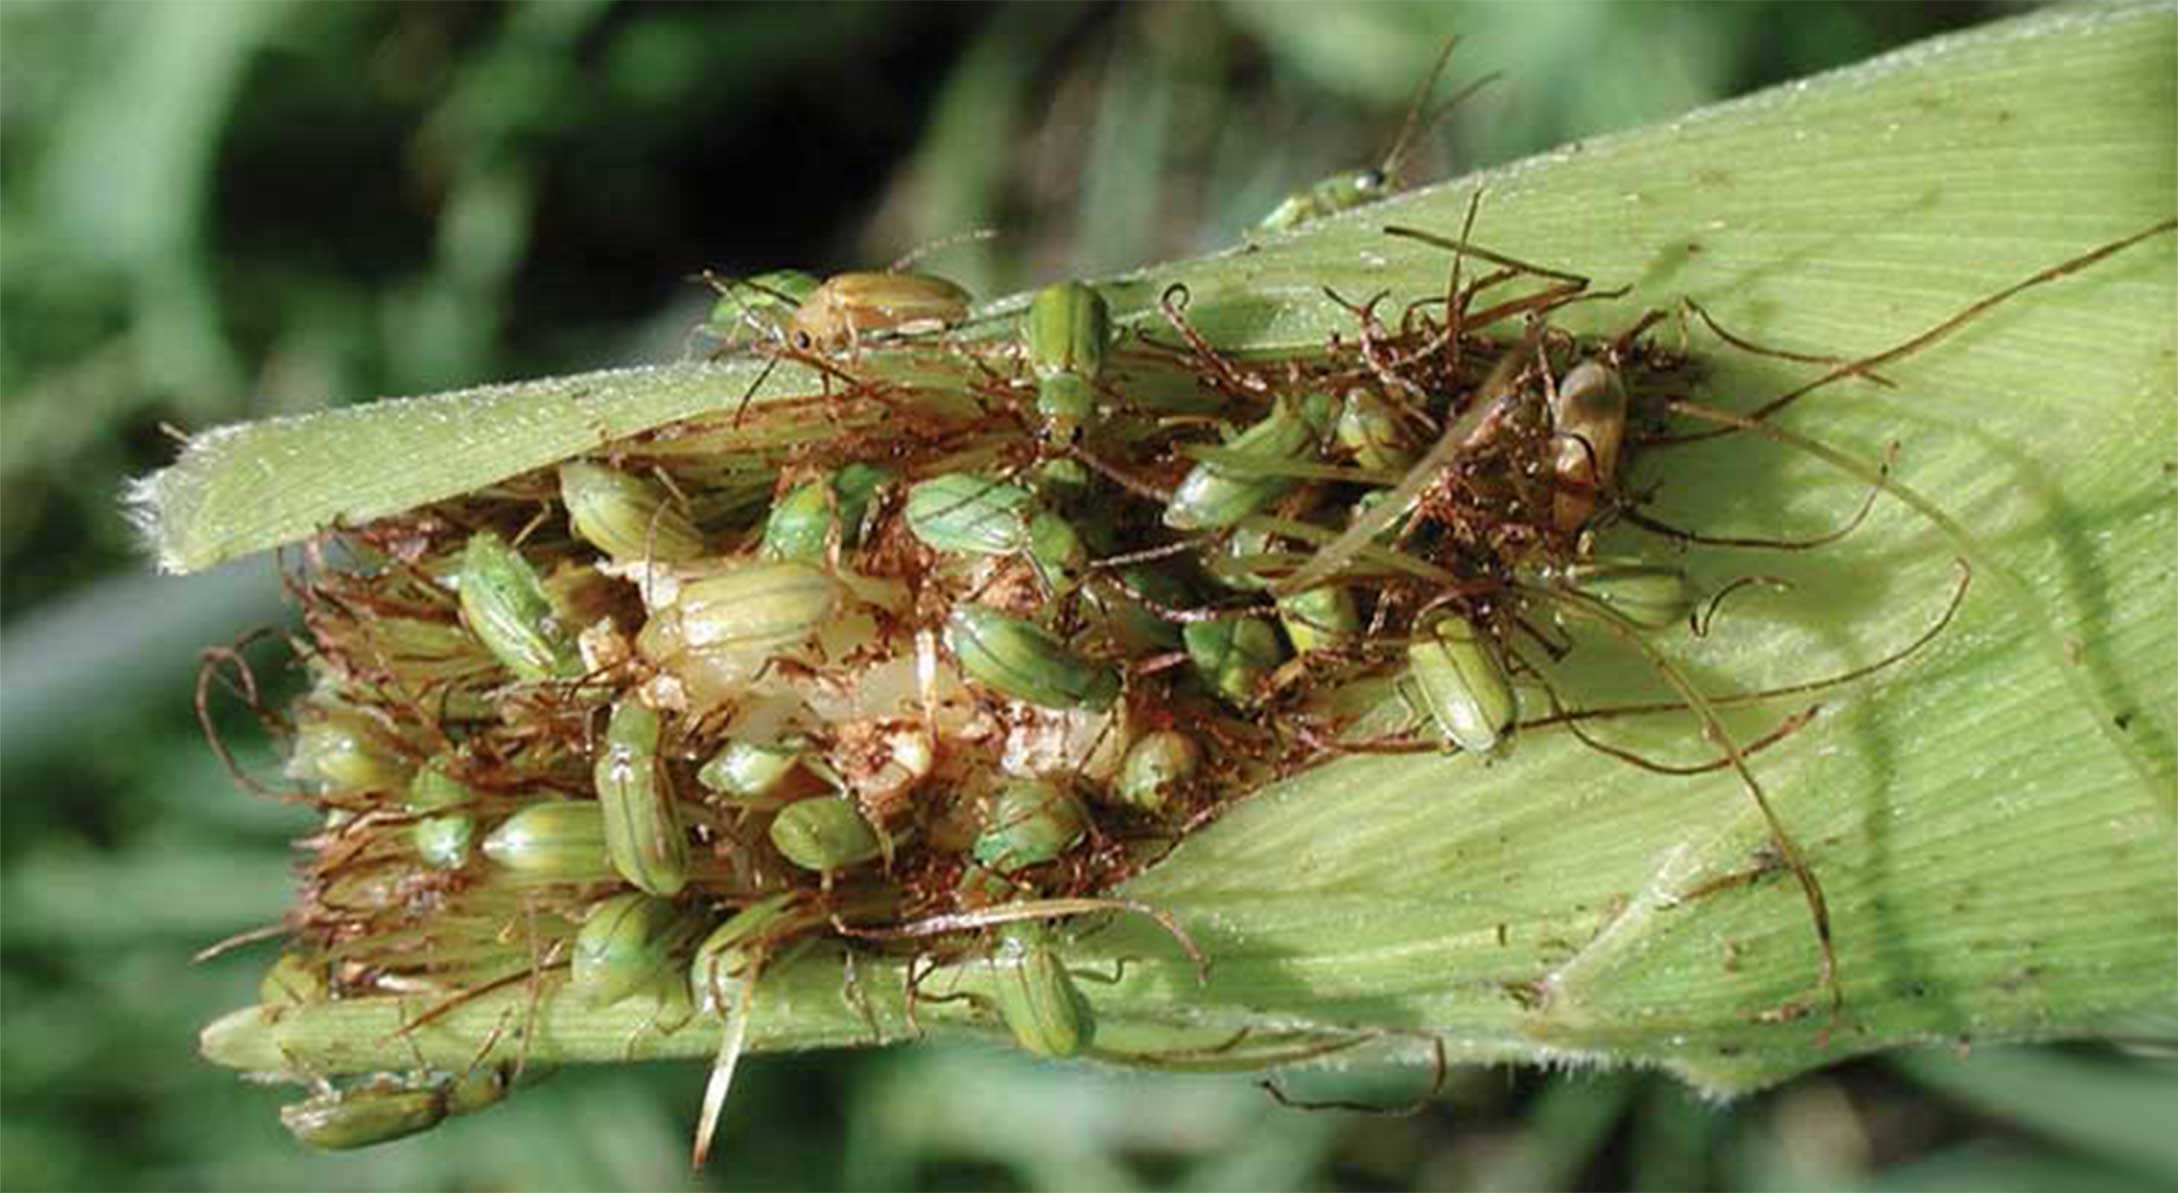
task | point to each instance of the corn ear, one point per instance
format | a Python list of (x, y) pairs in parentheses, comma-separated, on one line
[(1993, 825)]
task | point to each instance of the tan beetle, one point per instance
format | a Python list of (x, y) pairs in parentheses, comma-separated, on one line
[(838, 312)]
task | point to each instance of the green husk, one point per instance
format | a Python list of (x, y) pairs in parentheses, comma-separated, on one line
[(1993, 821)]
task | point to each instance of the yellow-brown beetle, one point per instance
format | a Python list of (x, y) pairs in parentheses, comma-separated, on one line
[(847, 305)]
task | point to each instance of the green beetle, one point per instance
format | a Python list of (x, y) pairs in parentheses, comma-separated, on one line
[(715, 634), (969, 514), (755, 608), (1065, 332), (1156, 768), (802, 523), (1234, 655), (1217, 493), (389, 1107), (1057, 551), (1025, 661), (974, 515), (1353, 188), (623, 946), (1127, 603), (643, 834), (718, 630), (627, 517), (1029, 822), (554, 841), (824, 834), (1037, 998), (1339, 192), (361, 1116), (345, 751), (1320, 618), (505, 606), (1460, 679), (751, 775), (1370, 429), (1650, 595)]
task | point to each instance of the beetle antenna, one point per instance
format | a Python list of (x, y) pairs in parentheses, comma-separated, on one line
[(958, 238)]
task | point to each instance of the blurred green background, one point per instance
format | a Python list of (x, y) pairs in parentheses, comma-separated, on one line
[(219, 211)]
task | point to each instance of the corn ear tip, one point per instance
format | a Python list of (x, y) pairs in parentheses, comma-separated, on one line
[(236, 1038), (161, 507), (144, 501)]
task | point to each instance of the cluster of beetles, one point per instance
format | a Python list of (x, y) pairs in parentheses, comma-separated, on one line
[(972, 631), (951, 623)]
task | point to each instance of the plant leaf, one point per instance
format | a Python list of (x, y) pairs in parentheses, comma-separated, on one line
[(1992, 820)]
